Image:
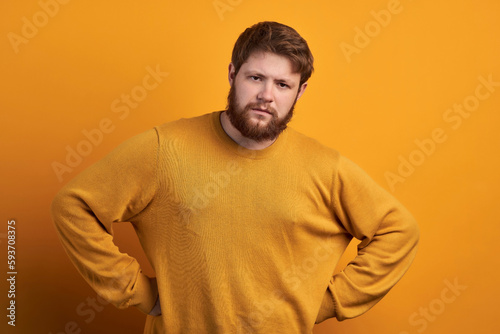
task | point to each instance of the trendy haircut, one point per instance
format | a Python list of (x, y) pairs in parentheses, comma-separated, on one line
[(276, 38)]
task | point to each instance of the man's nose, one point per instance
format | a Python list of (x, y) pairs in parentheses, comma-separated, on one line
[(266, 92)]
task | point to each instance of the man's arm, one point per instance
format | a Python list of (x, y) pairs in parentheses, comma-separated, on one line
[(115, 189), (388, 234)]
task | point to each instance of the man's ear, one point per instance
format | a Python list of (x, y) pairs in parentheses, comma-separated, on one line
[(301, 90), (231, 74)]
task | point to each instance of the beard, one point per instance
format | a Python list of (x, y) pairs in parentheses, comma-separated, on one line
[(240, 118)]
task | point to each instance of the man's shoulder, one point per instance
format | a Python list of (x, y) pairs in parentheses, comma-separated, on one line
[(184, 127), (187, 122), (301, 141), (319, 156)]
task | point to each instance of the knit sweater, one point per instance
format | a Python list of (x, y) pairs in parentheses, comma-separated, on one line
[(241, 241)]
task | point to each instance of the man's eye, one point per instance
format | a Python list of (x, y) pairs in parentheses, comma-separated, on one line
[(283, 85), (254, 77)]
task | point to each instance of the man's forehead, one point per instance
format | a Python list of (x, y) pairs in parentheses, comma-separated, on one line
[(270, 63)]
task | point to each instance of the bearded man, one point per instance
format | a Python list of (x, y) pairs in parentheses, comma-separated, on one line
[(242, 218)]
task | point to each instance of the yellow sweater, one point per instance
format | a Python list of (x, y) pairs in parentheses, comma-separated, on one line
[(241, 241)]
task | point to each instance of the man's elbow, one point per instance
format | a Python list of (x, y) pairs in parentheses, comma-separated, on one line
[(413, 231), (59, 208)]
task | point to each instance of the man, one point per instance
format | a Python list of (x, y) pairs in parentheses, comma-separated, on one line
[(242, 218)]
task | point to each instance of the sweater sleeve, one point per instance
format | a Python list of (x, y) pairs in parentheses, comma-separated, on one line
[(388, 237), (115, 189)]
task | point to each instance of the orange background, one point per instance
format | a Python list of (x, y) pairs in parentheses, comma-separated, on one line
[(372, 104)]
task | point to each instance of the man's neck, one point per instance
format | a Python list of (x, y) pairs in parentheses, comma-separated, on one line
[(241, 140)]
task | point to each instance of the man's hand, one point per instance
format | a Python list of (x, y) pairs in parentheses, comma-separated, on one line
[(156, 310)]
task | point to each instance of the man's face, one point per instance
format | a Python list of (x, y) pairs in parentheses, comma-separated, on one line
[(262, 95)]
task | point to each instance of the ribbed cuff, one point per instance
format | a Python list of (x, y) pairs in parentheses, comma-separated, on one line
[(327, 309), (146, 293)]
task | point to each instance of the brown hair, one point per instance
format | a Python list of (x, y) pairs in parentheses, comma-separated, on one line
[(276, 38)]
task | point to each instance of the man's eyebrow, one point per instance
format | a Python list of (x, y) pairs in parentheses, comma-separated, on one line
[(254, 72), (286, 80)]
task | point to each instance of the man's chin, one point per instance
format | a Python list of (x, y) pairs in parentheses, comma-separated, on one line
[(259, 121), (257, 124), (259, 133)]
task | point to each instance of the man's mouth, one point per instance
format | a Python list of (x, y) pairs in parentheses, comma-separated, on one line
[(262, 110)]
